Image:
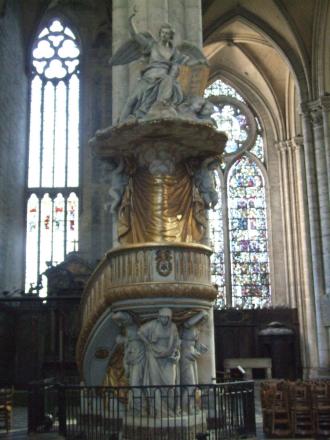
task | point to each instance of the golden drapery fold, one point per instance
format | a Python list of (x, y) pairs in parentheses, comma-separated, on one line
[(161, 209)]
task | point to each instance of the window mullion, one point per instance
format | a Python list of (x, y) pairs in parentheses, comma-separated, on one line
[(54, 132), (67, 83), (65, 223), (42, 109), (52, 231), (39, 238), (226, 245)]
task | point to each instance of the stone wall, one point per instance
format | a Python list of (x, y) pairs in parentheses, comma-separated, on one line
[(13, 132)]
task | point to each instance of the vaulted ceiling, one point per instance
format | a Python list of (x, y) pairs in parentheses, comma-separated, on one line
[(265, 47)]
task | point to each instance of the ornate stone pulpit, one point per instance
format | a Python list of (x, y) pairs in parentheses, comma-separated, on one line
[(147, 317)]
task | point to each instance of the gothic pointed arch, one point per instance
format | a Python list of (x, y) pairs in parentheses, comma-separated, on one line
[(239, 223)]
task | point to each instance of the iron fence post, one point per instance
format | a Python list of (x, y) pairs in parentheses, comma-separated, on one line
[(250, 411), (36, 406), (61, 399)]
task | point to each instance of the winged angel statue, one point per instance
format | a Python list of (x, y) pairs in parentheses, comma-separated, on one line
[(158, 87)]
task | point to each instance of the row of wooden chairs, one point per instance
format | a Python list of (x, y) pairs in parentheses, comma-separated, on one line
[(6, 408), (296, 409)]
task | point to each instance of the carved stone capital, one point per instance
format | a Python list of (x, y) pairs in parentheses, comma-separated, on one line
[(313, 111), (298, 142), (290, 145), (304, 108), (287, 146), (325, 103), (316, 116), (281, 146)]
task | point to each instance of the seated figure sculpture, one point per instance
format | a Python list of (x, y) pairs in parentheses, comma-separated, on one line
[(158, 89)]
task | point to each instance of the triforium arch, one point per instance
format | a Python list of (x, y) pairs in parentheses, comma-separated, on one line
[(270, 69)]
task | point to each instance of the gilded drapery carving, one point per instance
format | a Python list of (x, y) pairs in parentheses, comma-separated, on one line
[(161, 208)]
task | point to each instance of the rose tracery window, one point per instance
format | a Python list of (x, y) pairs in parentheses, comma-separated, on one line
[(53, 173), (238, 224)]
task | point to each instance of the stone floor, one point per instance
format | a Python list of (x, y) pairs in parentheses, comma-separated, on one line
[(19, 428), (19, 424)]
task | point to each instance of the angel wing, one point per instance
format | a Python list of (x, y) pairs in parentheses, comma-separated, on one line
[(193, 52), (131, 50)]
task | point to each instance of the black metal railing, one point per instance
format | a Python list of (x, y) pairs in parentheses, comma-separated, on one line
[(217, 411)]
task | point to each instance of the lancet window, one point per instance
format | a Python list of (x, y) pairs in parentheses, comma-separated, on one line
[(53, 171), (239, 224)]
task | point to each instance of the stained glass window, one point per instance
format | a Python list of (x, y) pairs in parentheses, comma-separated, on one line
[(248, 235), (216, 238), (53, 174), (232, 122), (258, 148), (238, 224)]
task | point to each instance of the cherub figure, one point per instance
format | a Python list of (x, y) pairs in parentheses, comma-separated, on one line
[(158, 87), (118, 182), (204, 180)]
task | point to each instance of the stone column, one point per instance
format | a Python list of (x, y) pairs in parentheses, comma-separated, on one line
[(318, 116), (283, 152), (294, 220), (305, 294), (120, 74), (325, 104), (193, 22), (315, 234)]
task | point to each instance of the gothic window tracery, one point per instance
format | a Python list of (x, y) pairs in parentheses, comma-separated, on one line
[(53, 171), (238, 224)]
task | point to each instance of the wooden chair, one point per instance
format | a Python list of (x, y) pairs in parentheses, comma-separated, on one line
[(302, 417), (6, 408), (275, 410), (321, 407)]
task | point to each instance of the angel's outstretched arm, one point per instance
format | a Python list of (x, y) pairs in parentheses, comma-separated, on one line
[(131, 26), (138, 37)]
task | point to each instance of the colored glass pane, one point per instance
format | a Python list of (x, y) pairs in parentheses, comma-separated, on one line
[(216, 238), (258, 148), (230, 120), (72, 222), (32, 239), (219, 87), (248, 235)]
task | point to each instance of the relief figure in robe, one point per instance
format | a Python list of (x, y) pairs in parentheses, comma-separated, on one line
[(162, 344), (191, 351)]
